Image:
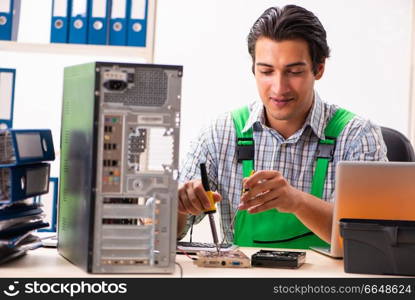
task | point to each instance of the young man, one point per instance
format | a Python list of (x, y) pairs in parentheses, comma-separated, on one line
[(288, 48)]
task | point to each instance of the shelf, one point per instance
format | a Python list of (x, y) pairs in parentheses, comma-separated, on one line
[(77, 49), (29, 45)]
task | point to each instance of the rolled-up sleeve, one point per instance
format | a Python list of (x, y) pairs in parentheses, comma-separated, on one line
[(202, 150), (362, 141), (366, 144)]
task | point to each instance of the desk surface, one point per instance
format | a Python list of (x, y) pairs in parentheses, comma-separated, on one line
[(46, 262)]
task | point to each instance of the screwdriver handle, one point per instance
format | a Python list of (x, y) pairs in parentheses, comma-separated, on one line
[(244, 189), (209, 194), (212, 208)]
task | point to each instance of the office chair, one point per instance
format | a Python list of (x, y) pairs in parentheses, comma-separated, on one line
[(399, 147)]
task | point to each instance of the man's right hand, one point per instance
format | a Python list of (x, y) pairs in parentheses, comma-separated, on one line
[(193, 199)]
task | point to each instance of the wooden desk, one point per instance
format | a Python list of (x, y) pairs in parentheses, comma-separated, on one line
[(46, 262)]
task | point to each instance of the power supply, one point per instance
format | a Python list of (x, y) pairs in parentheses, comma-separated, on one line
[(119, 167)]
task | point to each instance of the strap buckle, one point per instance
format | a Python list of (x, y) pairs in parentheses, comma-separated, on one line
[(325, 149), (245, 149)]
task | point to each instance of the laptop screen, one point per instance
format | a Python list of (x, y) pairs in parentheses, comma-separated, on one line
[(373, 190)]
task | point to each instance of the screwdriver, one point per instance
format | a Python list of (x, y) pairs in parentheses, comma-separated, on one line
[(212, 208), (244, 190)]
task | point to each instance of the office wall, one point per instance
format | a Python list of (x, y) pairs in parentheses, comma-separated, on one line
[(39, 73), (368, 71)]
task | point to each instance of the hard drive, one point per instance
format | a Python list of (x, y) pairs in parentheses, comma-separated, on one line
[(278, 259)]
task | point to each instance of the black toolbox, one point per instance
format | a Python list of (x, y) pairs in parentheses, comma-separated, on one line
[(378, 246)]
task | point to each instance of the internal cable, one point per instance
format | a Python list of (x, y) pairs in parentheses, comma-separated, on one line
[(187, 254), (181, 269)]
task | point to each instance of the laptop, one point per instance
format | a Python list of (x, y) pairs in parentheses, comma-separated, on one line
[(371, 190)]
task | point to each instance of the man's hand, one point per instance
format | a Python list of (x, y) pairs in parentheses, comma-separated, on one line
[(193, 199), (269, 189)]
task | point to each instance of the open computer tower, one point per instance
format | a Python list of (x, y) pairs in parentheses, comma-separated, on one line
[(119, 167)]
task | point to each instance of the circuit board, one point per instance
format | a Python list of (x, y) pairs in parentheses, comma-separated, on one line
[(229, 259)]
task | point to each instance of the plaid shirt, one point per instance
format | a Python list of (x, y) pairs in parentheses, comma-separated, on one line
[(294, 157)]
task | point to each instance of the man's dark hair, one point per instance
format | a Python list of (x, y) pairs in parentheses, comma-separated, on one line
[(288, 23)]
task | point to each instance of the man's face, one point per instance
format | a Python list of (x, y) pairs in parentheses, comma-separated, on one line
[(285, 80)]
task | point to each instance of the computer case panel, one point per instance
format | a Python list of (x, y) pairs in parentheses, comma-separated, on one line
[(119, 167)]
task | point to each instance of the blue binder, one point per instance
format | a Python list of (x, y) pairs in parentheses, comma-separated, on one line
[(9, 19), (19, 210), (7, 82), (19, 213), (50, 202), (99, 11), (59, 31), (25, 181), (21, 146), (78, 29), (12, 241), (20, 229), (118, 23), (137, 23)]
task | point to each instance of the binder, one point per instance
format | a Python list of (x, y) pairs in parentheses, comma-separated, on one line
[(19, 210), (99, 12), (60, 21), (49, 204), (7, 83), (25, 181), (20, 229), (25, 146), (7, 254), (118, 23), (78, 29), (12, 242), (9, 19), (137, 23), (18, 246)]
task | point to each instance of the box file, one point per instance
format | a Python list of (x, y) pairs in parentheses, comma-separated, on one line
[(13, 241), (7, 82), (25, 146), (18, 220), (99, 12), (21, 229), (118, 23), (19, 248), (137, 23), (60, 21), (21, 182), (19, 210), (78, 29), (9, 19), (49, 204)]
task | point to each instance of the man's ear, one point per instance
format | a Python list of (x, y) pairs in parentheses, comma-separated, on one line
[(320, 70)]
